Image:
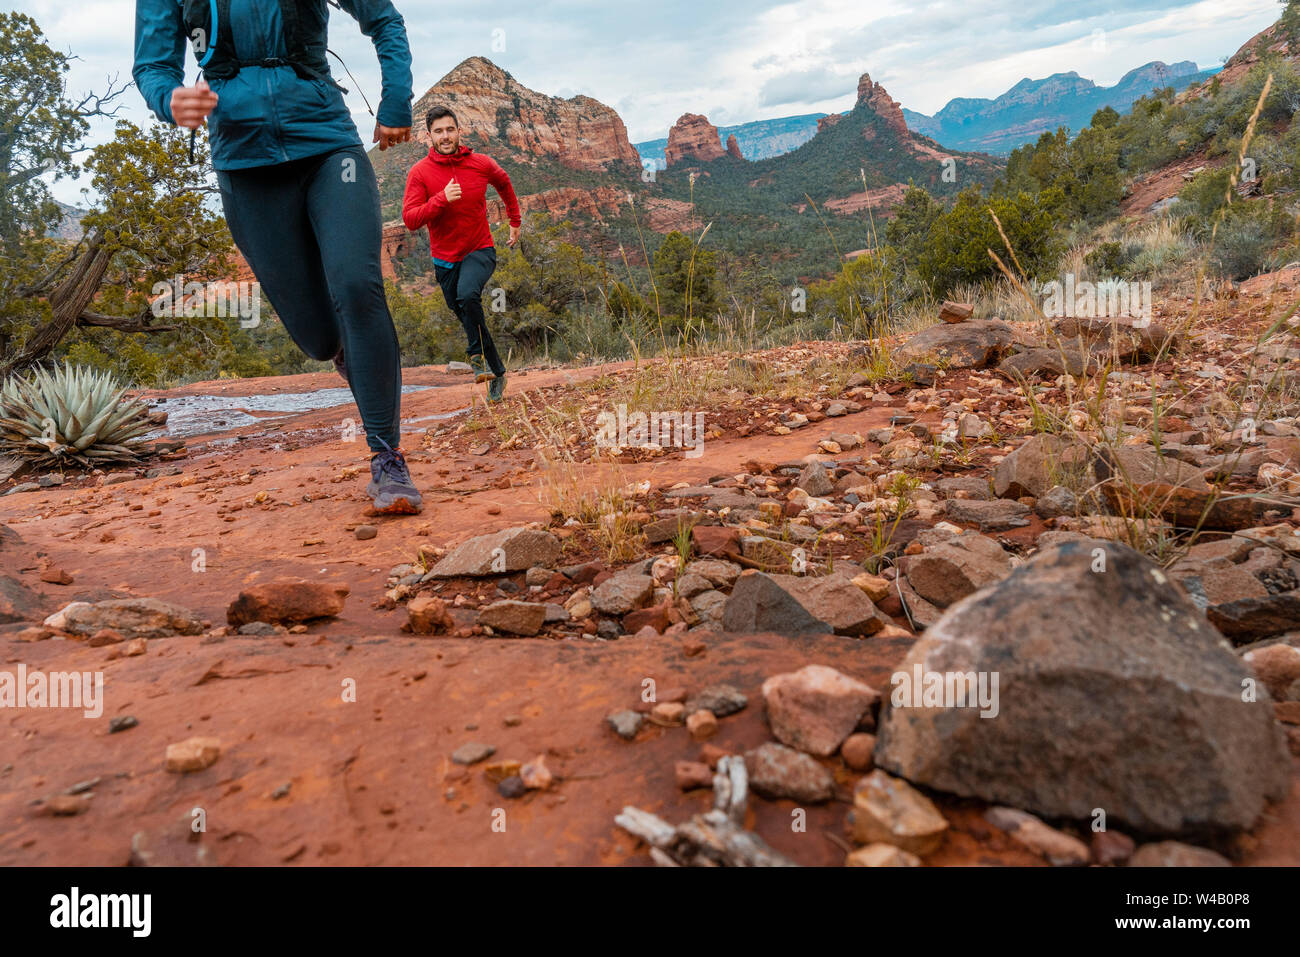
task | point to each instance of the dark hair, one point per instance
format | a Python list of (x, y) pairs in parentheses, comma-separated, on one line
[(437, 113)]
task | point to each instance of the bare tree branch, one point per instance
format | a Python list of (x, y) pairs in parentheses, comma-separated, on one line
[(136, 323)]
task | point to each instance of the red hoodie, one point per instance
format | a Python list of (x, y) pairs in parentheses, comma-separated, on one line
[(455, 229)]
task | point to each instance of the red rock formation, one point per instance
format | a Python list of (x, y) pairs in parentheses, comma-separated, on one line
[(502, 113), (733, 148), (1273, 40), (562, 201), (881, 103), (879, 201), (827, 121), (692, 137), (240, 270), (395, 244), (664, 215)]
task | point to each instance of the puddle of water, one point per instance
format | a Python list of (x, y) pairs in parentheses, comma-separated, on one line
[(438, 417), (202, 414)]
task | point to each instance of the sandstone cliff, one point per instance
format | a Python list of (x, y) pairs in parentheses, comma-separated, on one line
[(501, 112), (881, 103), (693, 138), (563, 201)]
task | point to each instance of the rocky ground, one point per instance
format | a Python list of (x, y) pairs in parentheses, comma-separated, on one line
[(582, 654)]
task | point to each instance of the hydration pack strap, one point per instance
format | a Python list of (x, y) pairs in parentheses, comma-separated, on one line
[(208, 25)]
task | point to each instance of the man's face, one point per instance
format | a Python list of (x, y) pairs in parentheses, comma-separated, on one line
[(445, 135)]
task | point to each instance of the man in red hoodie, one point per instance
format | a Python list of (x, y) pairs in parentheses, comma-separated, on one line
[(447, 191)]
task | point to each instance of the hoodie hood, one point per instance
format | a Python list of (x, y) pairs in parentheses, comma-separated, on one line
[(457, 156)]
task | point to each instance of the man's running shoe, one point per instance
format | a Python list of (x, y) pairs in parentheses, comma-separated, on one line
[(497, 388), (391, 488), (481, 371)]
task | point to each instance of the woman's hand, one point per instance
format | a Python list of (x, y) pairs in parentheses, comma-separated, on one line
[(191, 106), (387, 136)]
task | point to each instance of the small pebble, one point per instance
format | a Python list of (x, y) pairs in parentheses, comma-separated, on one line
[(472, 753), (702, 724)]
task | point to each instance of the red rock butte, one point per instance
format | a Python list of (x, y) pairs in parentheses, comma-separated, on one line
[(693, 137), (503, 113), (881, 103)]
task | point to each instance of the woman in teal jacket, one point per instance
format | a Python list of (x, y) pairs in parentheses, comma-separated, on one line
[(299, 193)]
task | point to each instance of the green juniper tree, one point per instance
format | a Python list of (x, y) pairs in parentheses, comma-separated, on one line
[(148, 225)]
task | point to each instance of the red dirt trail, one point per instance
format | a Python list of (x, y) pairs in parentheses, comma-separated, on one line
[(372, 781)]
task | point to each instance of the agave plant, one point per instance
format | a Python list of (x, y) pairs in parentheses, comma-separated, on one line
[(71, 415)]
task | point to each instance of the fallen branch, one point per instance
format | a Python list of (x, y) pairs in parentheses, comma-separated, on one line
[(714, 839)]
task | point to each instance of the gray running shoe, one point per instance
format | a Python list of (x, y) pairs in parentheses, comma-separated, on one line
[(497, 388), (481, 371), (391, 488)]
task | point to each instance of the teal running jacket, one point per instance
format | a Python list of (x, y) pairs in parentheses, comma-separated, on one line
[(267, 115)]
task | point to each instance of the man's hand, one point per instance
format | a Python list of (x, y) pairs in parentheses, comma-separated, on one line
[(452, 192), (387, 136), (191, 106), (514, 236)]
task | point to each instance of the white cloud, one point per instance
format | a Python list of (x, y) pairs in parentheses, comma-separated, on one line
[(737, 60)]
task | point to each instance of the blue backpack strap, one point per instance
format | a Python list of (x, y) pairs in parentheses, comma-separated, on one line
[(207, 23), (219, 13)]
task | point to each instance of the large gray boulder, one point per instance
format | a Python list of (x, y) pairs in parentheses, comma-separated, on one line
[(949, 571), (1113, 692), (509, 550), (795, 605), (1042, 462), (973, 344), (131, 617)]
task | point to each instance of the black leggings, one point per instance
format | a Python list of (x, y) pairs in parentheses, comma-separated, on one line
[(462, 287), (310, 229)]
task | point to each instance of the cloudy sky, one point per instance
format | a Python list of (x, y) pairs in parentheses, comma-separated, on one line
[(733, 60)]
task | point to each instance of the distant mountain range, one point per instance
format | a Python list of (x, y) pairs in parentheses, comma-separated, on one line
[(1033, 107), (1018, 116), (761, 139), (791, 192)]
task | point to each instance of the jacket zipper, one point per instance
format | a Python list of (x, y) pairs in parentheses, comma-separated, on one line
[(268, 43)]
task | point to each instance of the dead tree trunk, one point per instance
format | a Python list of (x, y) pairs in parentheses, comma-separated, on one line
[(67, 302)]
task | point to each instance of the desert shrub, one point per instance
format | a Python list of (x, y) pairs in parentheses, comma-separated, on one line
[(958, 244), (1246, 237)]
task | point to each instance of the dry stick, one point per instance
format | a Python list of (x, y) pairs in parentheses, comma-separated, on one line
[(838, 841), (1246, 137), (710, 839)]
